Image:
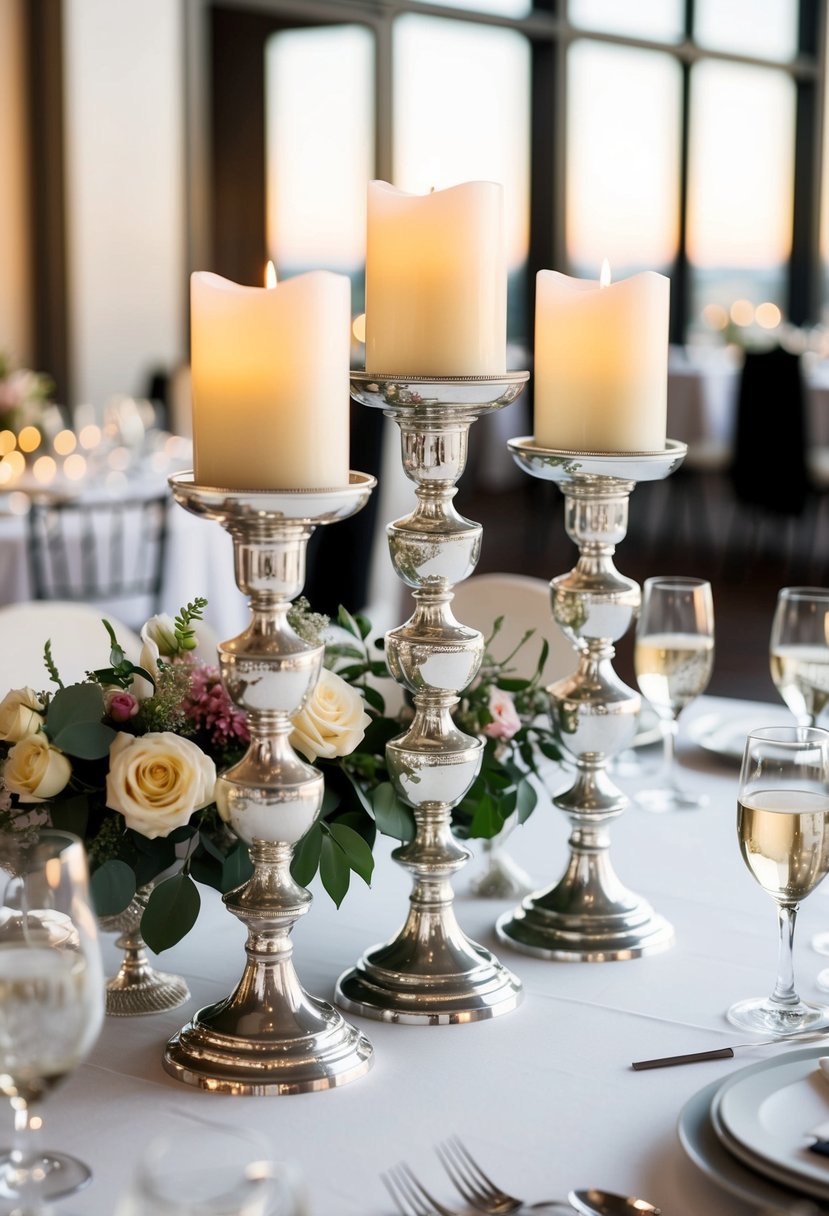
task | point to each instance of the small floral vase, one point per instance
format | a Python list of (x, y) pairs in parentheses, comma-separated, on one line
[(502, 877), (138, 988)]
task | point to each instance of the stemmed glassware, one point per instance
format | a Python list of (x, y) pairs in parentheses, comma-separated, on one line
[(783, 830), (51, 1000), (799, 651), (673, 659)]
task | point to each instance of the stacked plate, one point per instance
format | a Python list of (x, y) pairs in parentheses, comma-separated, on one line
[(751, 1132)]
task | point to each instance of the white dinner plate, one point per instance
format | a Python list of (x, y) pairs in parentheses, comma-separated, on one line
[(725, 734), (763, 1113), (701, 1144)]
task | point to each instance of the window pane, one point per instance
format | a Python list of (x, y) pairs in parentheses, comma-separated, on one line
[(623, 155), (740, 197), (320, 148), (749, 27), (662, 19), (504, 8), (461, 113)]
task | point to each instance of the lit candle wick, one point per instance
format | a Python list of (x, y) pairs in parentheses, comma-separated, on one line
[(270, 276), (604, 277)]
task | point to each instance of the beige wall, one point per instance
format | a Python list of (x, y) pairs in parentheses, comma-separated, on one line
[(124, 85), (15, 301)]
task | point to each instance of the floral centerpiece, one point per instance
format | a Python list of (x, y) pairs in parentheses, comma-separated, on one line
[(22, 394), (127, 760)]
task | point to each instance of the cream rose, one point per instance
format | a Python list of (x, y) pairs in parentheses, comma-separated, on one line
[(34, 770), (158, 640), (20, 715), (333, 721), (156, 781)]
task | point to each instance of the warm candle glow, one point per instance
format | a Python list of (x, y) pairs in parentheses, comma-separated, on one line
[(65, 442), (44, 469), (359, 327), (16, 461), (604, 277), (8, 442), (90, 436), (29, 439), (270, 276), (6, 473), (74, 467)]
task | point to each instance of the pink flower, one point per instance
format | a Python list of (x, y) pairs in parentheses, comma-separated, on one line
[(505, 721), (121, 705), (211, 709)]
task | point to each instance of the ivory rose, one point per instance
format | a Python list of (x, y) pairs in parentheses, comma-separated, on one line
[(34, 770), (505, 721), (20, 715), (333, 721), (156, 781)]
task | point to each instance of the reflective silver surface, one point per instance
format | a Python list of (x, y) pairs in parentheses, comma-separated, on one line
[(138, 988), (269, 1035), (431, 973), (589, 914)]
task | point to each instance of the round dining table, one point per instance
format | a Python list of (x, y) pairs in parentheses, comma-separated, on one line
[(544, 1097)]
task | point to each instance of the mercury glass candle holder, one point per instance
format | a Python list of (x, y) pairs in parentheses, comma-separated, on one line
[(269, 1036), (589, 914), (431, 973)]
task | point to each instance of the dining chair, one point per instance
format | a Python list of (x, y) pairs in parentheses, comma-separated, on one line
[(99, 551), (524, 603), (79, 642)]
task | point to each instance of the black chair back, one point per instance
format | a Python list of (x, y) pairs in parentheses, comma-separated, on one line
[(769, 469)]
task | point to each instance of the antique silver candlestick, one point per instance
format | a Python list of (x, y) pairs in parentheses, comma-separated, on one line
[(269, 1035), (431, 972), (589, 914)]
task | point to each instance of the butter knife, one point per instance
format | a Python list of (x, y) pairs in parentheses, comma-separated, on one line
[(727, 1053)]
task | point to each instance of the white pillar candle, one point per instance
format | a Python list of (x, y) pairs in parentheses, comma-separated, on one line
[(270, 373), (601, 363), (436, 281)]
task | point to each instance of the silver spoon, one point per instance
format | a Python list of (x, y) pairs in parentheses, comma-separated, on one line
[(605, 1203)]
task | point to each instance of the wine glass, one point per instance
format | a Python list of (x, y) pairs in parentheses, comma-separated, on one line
[(799, 651), (201, 1168), (673, 658), (783, 829), (51, 999)]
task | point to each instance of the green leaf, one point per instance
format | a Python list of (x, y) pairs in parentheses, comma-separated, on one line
[(306, 857), (334, 869), (362, 797), (209, 845), (361, 824), (357, 852), (508, 684), (171, 912), (392, 816), (363, 624), (71, 814), (542, 658), (237, 867), (77, 703), (112, 886), (344, 650), (374, 698), (550, 750), (527, 798), (86, 740), (348, 622), (377, 735), (487, 819)]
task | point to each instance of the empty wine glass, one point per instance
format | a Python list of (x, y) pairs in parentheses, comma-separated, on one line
[(799, 651), (673, 659), (201, 1168), (783, 829), (51, 1000)]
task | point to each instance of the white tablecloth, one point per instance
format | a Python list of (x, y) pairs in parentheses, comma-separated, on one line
[(544, 1095)]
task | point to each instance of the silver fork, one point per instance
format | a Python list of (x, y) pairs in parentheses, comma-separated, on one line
[(410, 1195), (478, 1189)]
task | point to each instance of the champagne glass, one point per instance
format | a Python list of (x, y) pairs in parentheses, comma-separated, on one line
[(799, 651), (51, 1001), (673, 658), (783, 829), (201, 1168)]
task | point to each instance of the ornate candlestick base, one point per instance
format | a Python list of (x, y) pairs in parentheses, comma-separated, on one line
[(269, 1036), (431, 973), (138, 988), (589, 914)]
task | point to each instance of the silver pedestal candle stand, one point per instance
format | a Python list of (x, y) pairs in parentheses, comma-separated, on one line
[(589, 914), (269, 1036), (431, 973)]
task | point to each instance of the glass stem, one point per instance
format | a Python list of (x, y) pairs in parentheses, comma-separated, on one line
[(669, 730), (784, 991), (22, 1158)]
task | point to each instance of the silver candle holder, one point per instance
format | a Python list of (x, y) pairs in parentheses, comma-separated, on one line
[(269, 1036), (589, 914), (431, 972)]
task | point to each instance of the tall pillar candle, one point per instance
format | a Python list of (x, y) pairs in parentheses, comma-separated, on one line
[(601, 363), (436, 281), (270, 374)]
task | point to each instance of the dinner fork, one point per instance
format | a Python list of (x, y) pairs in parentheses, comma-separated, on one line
[(410, 1195), (478, 1189)]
